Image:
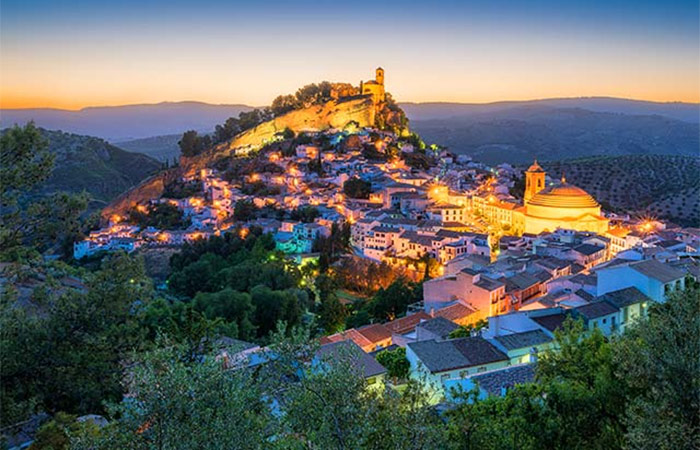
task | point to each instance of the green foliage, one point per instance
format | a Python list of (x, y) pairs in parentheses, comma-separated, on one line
[(259, 189), (235, 308), (56, 434), (467, 330), (333, 246), (357, 188), (192, 144), (68, 357), (660, 360), (288, 133), (244, 210), (395, 362), (26, 163), (305, 214), (392, 302), (178, 190), (332, 312), (243, 283), (273, 306), (163, 216), (181, 404)]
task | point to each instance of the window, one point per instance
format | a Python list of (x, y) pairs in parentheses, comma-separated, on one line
[(605, 321)]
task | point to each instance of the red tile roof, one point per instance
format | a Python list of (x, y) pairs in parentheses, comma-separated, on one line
[(375, 333), (407, 324)]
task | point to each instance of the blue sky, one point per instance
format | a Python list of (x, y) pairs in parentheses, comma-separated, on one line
[(78, 53)]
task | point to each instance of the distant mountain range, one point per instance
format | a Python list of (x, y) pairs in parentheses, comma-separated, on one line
[(687, 112), (498, 132), (122, 123)]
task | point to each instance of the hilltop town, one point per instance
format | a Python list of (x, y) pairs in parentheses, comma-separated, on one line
[(323, 233), (515, 267)]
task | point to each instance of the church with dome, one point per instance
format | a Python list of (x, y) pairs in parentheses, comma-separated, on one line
[(561, 205), (545, 208)]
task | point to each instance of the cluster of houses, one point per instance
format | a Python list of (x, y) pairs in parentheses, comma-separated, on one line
[(524, 285)]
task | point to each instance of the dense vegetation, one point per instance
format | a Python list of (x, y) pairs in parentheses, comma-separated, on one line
[(661, 185), (162, 216), (357, 188), (89, 164), (47, 221), (636, 391), (244, 283)]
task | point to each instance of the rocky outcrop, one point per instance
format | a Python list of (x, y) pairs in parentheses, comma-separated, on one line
[(333, 114), (148, 189)]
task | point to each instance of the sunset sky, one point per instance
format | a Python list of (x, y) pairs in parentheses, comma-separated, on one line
[(72, 54)]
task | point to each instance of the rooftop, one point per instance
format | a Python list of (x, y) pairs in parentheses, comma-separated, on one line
[(552, 322), (407, 324), (596, 309), (626, 297), (456, 353), (438, 326), (525, 339), (495, 380), (357, 358), (657, 270)]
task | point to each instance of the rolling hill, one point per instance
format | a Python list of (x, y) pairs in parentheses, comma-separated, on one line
[(664, 186), (163, 148), (91, 164), (521, 133)]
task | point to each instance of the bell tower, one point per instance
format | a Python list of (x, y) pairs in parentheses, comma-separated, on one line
[(379, 78), (534, 180)]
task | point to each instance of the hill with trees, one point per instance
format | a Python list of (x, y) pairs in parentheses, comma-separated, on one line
[(86, 163), (521, 133), (660, 185)]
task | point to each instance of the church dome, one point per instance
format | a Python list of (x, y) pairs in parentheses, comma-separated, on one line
[(563, 195)]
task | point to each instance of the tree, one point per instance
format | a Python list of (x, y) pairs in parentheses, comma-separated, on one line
[(660, 359), (272, 307), (467, 330), (389, 303), (395, 362), (176, 403), (57, 432), (159, 215), (70, 356), (236, 308), (25, 163), (189, 143), (244, 210), (357, 188)]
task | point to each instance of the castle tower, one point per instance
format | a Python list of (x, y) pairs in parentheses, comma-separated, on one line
[(375, 87), (534, 180), (379, 76)]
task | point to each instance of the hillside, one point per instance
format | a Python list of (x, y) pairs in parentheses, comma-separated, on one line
[(163, 148), (522, 133), (335, 113), (122, 123), (91, 164), (667, 187)]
